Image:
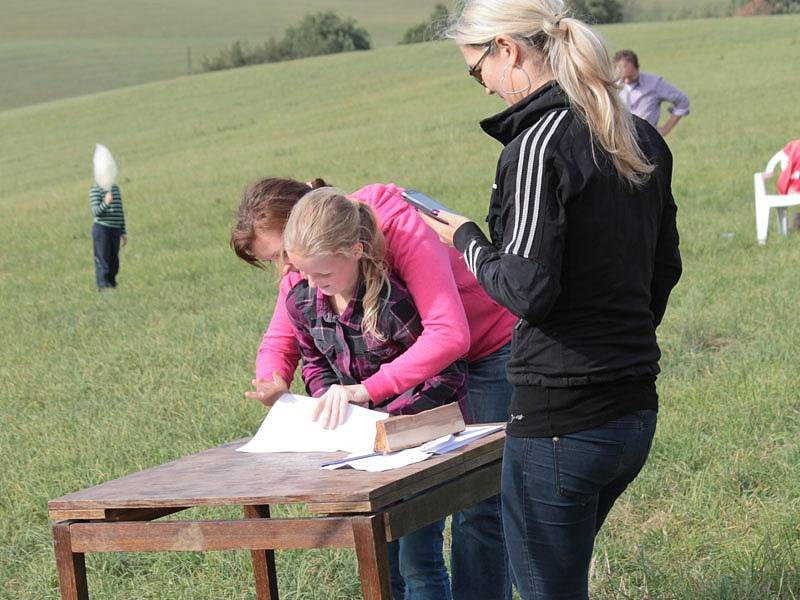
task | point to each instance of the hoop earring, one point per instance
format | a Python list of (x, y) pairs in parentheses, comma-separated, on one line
[(503, 78)]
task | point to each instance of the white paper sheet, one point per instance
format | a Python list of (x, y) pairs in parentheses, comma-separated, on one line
[(384, 462), (449, 443), (442, 445), (288, 427)]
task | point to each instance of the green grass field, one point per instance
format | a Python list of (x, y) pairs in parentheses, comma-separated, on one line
[(96, 386), (52, 49)]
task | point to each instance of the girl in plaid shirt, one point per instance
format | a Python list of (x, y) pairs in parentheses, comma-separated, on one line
[(350, 316)]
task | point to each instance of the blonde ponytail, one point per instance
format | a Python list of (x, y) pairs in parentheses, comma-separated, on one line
[(326, 222), (373, 268), (579, 62)]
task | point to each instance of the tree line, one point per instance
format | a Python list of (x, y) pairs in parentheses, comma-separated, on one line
[(327, 33)]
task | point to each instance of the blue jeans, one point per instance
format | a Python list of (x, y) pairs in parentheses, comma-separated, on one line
[(416, 564), (106, 242), (479, 560), (556, 494)]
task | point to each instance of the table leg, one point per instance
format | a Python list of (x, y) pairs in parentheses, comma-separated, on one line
[(71, 565), (263, 560), (369, 534)]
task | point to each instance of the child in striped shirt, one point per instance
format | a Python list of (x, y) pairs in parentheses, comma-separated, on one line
[(108, 233)]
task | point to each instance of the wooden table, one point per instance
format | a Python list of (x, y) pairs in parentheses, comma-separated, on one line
[(350, 509)]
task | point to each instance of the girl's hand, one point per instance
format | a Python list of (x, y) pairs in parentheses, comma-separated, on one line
[(287, 267), (445, 230), (268, 392), (124, 239), (109, 198), (331, 409)]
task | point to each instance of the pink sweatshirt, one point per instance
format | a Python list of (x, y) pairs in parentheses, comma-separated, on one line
[(458, 317)]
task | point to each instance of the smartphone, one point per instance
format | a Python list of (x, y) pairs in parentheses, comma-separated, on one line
[(424, 203)]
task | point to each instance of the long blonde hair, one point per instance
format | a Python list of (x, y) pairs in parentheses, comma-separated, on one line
[(579, 61), (326, 222)]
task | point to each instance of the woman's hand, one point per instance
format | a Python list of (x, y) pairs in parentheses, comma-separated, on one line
[(331, 409), (268, 392), (445, 224)]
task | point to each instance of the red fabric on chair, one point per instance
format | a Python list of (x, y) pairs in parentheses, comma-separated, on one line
[(789, 180)]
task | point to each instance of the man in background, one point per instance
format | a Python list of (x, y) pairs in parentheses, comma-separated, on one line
[(644, 93)]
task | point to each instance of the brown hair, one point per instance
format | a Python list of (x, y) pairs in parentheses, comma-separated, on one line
[(628, 55), (265, 206), (326, 222)]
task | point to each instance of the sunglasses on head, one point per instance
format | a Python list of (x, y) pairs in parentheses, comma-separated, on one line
[(475, 70)]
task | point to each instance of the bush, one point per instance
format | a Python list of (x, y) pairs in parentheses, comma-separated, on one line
[(598, 11), (324, 33), (768, 7), (430, 30), (321, 33)]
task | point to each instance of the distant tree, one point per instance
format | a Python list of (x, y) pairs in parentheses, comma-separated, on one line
[(598, 11), (430, 30), (767, 7), (237, 55), (321, 33), (325, 33), (787, 6)]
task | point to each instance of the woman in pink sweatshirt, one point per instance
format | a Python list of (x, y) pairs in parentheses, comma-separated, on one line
[(458, 319)]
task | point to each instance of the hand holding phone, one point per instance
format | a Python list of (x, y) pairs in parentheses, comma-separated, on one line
[(425, 204)]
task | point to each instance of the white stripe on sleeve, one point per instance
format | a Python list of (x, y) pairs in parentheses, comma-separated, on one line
[(520, 237)]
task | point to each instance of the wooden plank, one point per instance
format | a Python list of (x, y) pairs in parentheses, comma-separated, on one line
[(336, 508), (407, 431), (446, 499), (373, 559), (264, 572), (182, 536), (439, 472), (443, 472), (456, 469), (141, 514), (221, 476), (110, 514), (77, 514), (441, 469), (70, 564)]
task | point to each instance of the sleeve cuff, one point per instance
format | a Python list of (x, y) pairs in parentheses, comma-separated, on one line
[(377, 387), (466, 233)]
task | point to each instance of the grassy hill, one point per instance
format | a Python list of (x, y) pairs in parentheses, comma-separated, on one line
[(95, 386), (53, 49)]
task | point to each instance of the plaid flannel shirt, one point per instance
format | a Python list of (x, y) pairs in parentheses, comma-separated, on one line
[(335, 350)]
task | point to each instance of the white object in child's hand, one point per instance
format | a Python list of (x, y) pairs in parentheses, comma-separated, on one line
[(105, 167)]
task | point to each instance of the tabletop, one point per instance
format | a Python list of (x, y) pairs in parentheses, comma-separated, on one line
[(221, 476)]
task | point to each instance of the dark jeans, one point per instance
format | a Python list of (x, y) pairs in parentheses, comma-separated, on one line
[(416, 564), (106, 255), (556, 494), (479, 561)]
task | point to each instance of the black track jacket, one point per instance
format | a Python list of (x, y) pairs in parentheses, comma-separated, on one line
[(584, 260)]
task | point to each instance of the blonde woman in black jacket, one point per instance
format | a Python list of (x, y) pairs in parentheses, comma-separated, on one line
[(584, 250)]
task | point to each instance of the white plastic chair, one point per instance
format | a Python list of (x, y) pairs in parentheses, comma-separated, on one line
[(766, 201)]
